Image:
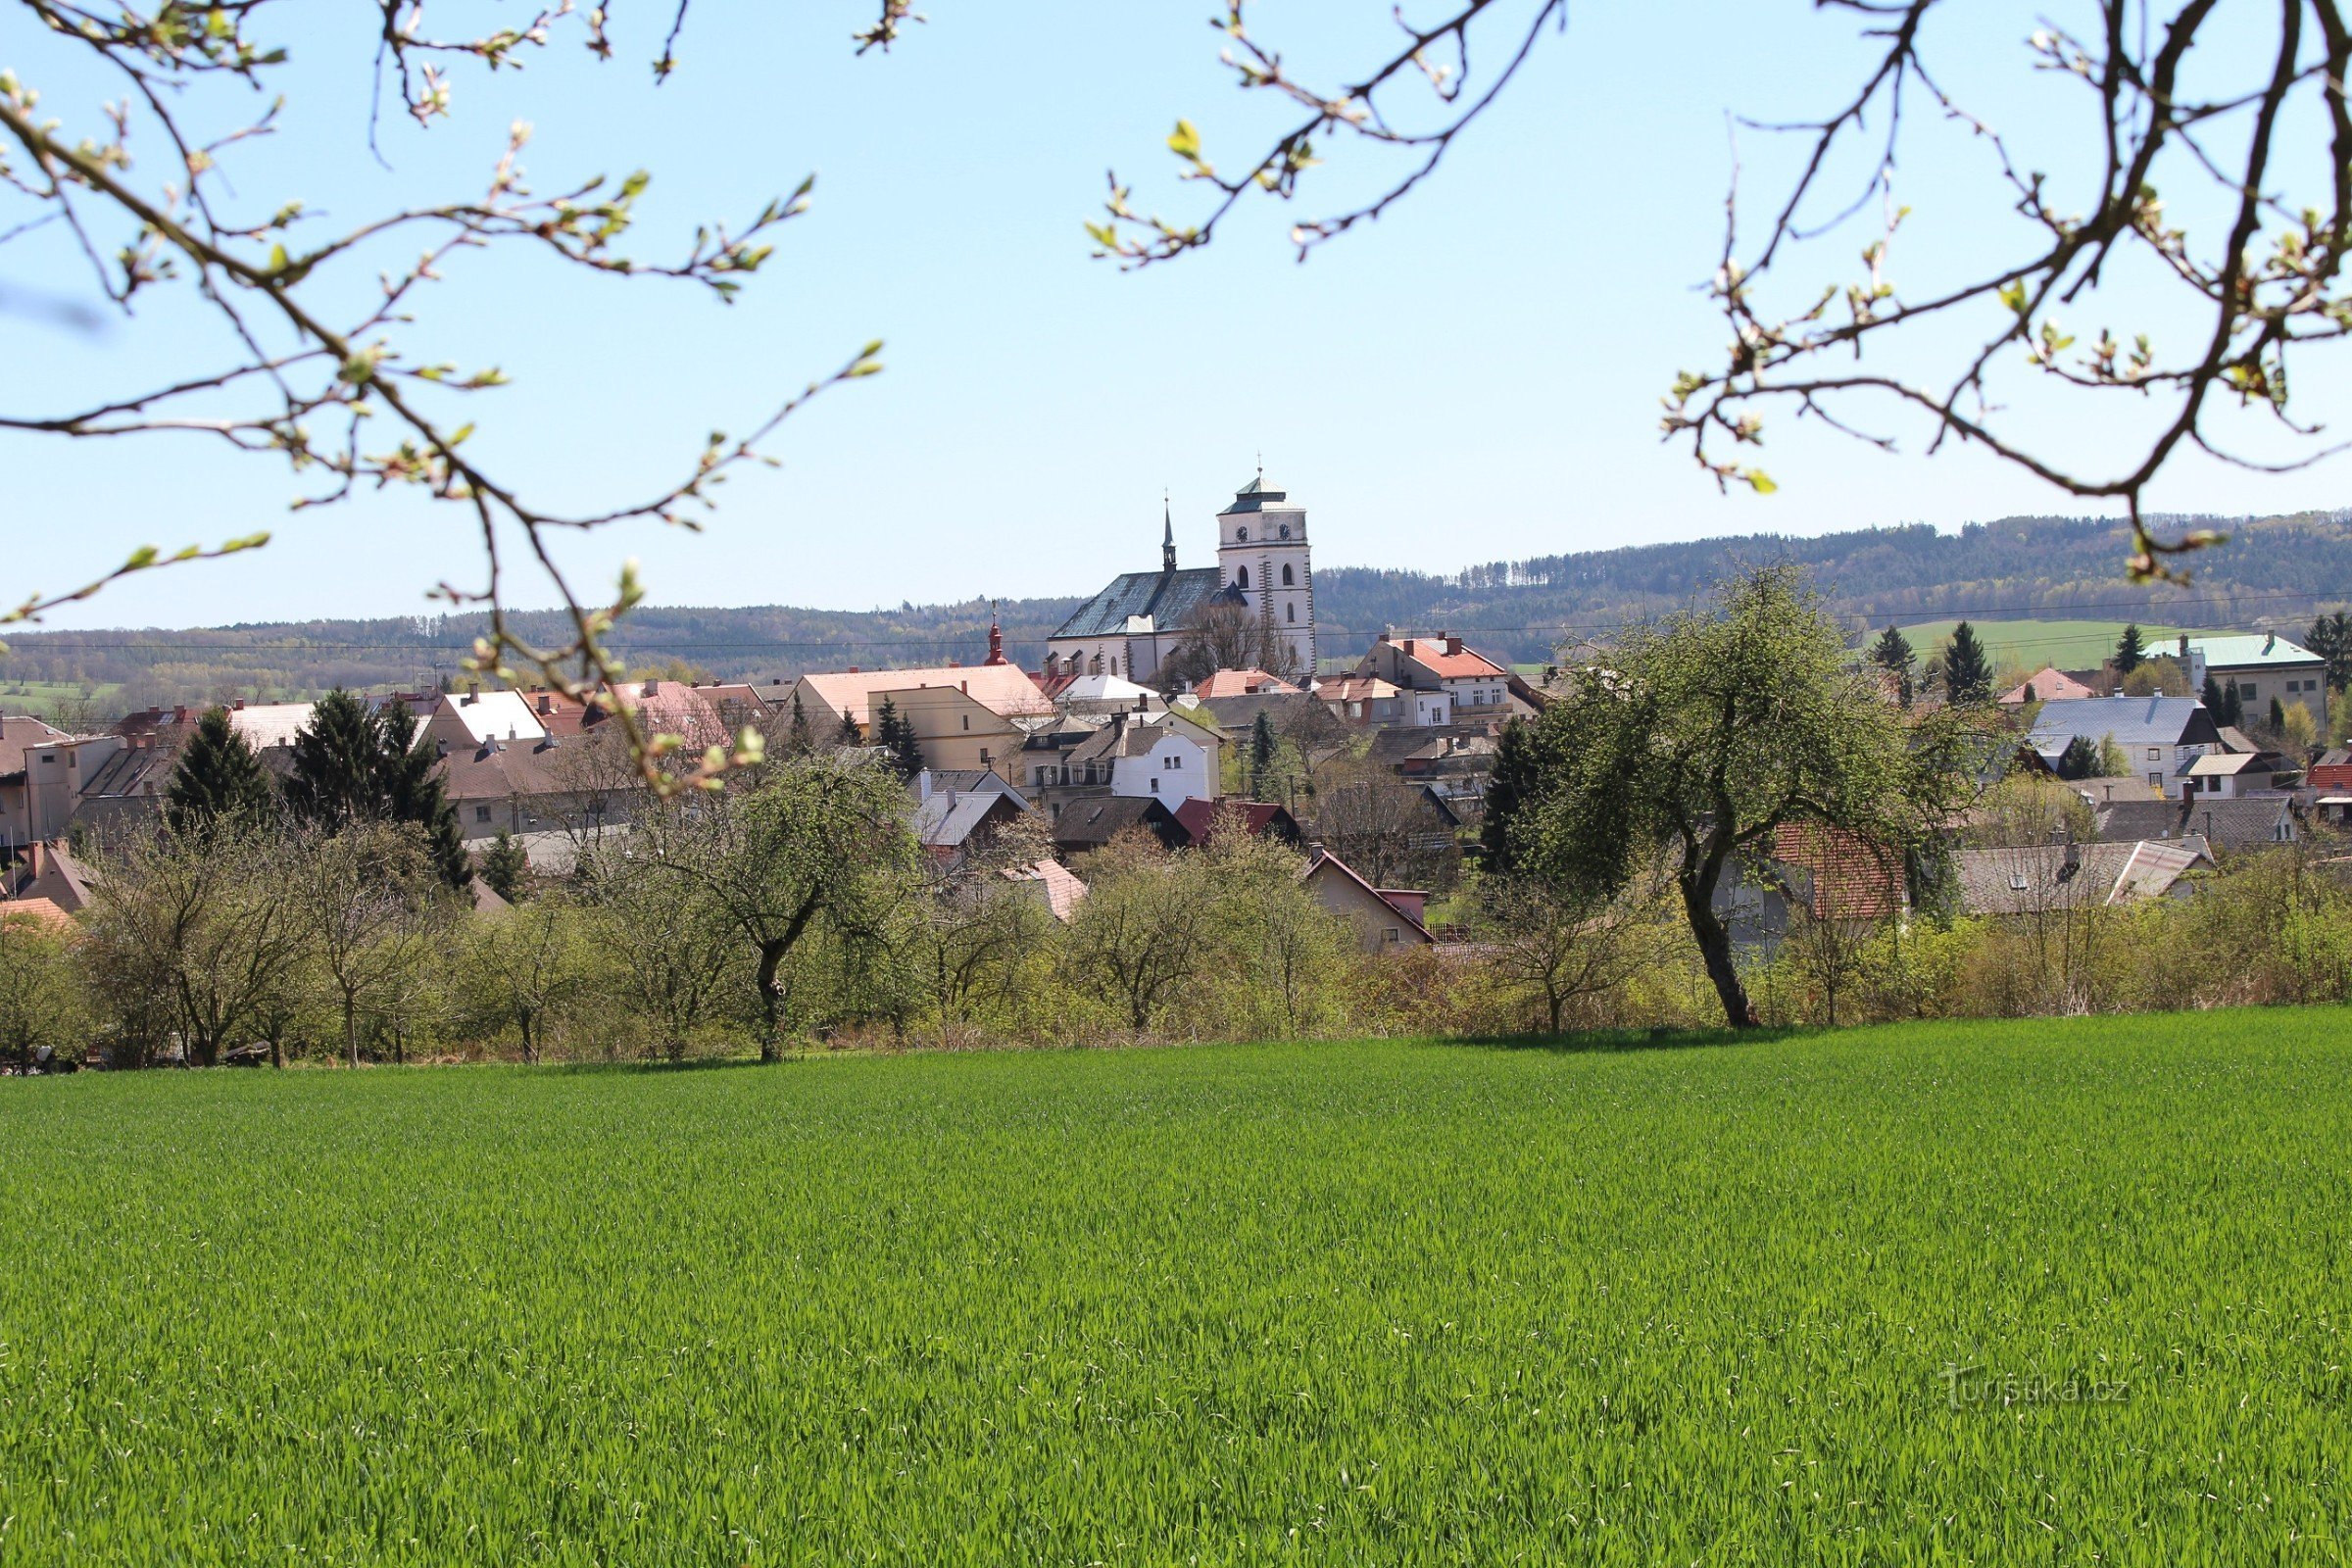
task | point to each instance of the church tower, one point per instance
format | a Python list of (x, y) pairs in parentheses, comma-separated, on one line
[(1263, 551)]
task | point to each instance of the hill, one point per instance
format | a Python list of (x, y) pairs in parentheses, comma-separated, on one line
[(2275, 573)]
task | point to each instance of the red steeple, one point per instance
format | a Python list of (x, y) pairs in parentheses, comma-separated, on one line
[(995, 638)]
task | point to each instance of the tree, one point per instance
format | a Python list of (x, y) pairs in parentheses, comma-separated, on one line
[(41, 999), (411, 793), (974, 928), (2298, 729), (2243, 295), (1558, 943), (820, 845), (365, 894), (2113, 764), (906, 747), (1893, 654), (337, 774), (2224, 703), (1714, 728), (503, 867), (2160, 676), (670, 954), (800, 738), (525, 966), (1517, 776), (1967, 669), (2128, 651), (1387, 829), (2080, 760), (1225, 633), (1144, 930), (1262, 749), (2277, 717), (2331, 637), (217, 780), (847, 735)]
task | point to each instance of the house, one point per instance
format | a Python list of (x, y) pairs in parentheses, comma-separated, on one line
[(2048, 878), (1099, 696), (1158, 760), (1240, 683), (2263, 668), (2044, 685), (115, 783), (1055, 885), (1366, 699), (956, 811), (1837, 874), (531, 788), (2161, 736), (463, 721), (41, 913), (959, 711), (49, 873), (1259, 818), (2241, 825), (1090, 824), (1472, 686), (2332, 771), (1384, 922), (1263, 567), (21, 734), (2226, 775)]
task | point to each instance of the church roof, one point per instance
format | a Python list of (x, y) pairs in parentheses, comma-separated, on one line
[(1169, 598), (1256, 496)]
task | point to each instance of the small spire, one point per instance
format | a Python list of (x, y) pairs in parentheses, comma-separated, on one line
[(996, 636), (1167, 538)]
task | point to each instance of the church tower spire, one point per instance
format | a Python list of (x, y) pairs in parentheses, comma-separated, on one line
[(1167, 538)]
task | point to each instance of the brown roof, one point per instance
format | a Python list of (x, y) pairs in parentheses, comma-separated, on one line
[(1848, 877), (2049, 683), (19, 731), (1323, 861), (501, 769), (1240, 683), (1260, 817), (1060, 886), (1447, 658), (1002, 689), (41, 911)]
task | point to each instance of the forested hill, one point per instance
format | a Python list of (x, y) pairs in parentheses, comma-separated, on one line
[(2274, 573)]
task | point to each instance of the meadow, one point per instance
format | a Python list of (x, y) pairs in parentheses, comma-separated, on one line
[(2028, 645), (1691, 1302)]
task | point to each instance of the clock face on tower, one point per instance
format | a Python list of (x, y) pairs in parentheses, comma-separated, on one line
[(1241, 536), (1286, 530)]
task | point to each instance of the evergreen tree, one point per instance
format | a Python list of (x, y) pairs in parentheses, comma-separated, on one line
[(503, 867), (411, 791), (1893, 654), (896, 733), (848, 734), (1262, 748), (799, 740), (1967, 671), (217, 780), (2224, 703), (336, 778), (1518, 770), (2080, 760), (2277, 717), (2130, 652), (2331, 637)]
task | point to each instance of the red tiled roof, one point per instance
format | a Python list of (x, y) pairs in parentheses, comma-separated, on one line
[(1240, 683), (1851, 878), (41, 911), (1198, 817), (1447, 658), (2049, 683)]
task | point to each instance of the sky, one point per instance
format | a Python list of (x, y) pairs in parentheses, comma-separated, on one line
[(1475, 377)]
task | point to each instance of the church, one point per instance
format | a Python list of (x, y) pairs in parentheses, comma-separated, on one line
[(1131, 627)]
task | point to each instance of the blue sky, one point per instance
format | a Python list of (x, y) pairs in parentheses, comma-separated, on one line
[(1475, 377)]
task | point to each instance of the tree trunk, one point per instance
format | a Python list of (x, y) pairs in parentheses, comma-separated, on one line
[(351, 1029), (1714, 940), (530, 1051), (771, 956)]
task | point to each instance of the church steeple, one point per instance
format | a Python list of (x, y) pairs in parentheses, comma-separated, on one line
[(1167, 539), (996, 637)]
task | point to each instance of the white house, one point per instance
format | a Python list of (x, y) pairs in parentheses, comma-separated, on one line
[(1161, 761)]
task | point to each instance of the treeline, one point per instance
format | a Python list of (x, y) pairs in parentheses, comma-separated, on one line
[(2276, 571)]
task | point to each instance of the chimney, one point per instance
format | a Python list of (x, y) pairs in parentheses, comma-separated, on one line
[(653, 688), (2270, 641), (2184, 649), (853, 669), (179, 716), (237, 706), (963, 686), (547, 704)]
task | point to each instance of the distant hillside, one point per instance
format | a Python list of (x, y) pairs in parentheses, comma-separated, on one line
[(2274, 573)]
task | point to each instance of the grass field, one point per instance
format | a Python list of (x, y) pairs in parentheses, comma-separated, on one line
[(2032, 644), (1344, 1304)]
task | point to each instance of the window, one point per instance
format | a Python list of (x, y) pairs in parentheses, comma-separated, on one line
[(1173, 763), (1155, 786), (967, 722), (1286, 578), (49, 760), (1290, 612), (2156, 780), (481, 813), (2155, 753), (1391, 934), (1240, 578), (2246, 691)]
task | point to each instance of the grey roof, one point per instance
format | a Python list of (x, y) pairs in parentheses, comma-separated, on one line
[(2132, 720), (945, 822), (2040, 879), (1169, 598), (1090, 823), (2128, 821), (2248, 822), (1256, 496)]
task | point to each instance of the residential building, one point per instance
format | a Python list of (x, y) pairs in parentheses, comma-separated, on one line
[(2046, 684), (960, 712), (1240, 683), (2262, 668), (463, 721), (1158, 760), (20, 737), (1054, 886), (1263, 567), (1370, 701), (1258, 818), (2053, 878), (1476, 687), (1384, 922), (1090, 824), (2160, 736), (957, 811)]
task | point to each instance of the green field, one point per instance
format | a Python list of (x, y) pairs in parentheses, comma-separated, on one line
[(2032, 644), (1344, 1304)]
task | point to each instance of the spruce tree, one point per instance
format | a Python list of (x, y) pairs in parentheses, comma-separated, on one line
[(1518, 772), (2224, 703), (337, 763), (2130, 652), (1893, 654), (1967, 671), (847, 735), (503, 867), (799, 740), (2080, 760), (897, 733), (411, 791), (1262, 748), (217, 781)]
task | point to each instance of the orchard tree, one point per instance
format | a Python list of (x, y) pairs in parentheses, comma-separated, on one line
[(1712, 729)]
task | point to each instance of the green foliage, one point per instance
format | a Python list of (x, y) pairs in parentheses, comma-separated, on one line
[(503, 867), (337, 773), (1516, 780), (2113, 764), (2080, 760), (2130, 652), (2331, 637), (2224, 703), (1262, 749), (1966, 669), (42, 1002), (1892, 652), (217, 781), (1411, 1302)]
